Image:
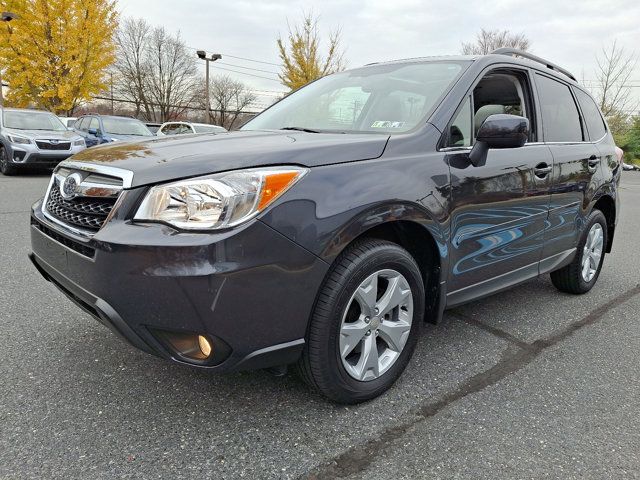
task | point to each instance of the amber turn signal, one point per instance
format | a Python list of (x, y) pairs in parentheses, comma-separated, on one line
[(274, 185)]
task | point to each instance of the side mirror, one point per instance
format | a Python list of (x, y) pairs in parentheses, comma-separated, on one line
[(499, 131), (95, 131)]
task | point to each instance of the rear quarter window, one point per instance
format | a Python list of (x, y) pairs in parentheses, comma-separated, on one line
[(592, 116)]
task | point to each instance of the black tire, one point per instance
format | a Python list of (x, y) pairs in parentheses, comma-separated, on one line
[(569, 278), (321, 365), (5, 167)]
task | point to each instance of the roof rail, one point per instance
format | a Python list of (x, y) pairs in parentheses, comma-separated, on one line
[(515, 52)]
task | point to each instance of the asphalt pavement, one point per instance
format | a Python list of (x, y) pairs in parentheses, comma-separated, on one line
[(530, 383)]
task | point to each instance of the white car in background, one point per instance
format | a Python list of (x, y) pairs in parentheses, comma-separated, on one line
[(182, 128), (68, 121)]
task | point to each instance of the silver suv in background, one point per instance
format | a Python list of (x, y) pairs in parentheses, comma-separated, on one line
[(33, 138), (184, 128)]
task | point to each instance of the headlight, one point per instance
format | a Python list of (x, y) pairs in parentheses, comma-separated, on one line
[(79, 143), (18, 140), (217, 201)]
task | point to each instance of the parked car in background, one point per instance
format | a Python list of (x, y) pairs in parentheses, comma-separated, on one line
[(33, 138), (153, 127), (68, 121), (626, 166), (183, 128), (99, 129), (330, 227)]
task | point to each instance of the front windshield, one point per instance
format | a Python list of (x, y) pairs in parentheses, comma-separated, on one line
[(125, 126), (388, 98), (28, 120)]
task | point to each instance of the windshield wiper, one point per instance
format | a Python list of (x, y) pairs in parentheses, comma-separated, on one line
[(300, 129)]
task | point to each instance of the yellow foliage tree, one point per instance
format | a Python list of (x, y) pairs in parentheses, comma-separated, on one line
[(301, 59), (54, 55)]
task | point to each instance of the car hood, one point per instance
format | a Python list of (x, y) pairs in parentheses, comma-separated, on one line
[(123, 137), (44, 134), (161, 159)]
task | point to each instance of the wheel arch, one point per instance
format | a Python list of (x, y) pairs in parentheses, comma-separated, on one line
[(413, 229), (607, 205)]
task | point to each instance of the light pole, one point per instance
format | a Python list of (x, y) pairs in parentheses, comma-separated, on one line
[(5, 17), (202, 55)]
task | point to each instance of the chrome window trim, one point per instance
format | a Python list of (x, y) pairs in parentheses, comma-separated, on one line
[(468, 149)]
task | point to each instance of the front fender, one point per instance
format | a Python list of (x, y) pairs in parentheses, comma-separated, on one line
[(380, 215)]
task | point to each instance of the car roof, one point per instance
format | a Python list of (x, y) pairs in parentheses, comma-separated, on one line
[(108, 116), (534, 62), (33, 110), (184, 122)]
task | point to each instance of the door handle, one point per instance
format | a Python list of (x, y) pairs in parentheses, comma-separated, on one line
[(542, 170), (593, 162)]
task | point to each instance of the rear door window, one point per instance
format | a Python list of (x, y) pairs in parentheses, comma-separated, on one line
[(560, 116), (592, 116)]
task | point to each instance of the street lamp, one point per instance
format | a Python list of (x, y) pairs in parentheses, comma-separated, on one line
[(5, 17), (202, 55)]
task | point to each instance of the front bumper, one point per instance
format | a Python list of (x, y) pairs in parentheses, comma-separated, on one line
[(251, 287), (31, 155)]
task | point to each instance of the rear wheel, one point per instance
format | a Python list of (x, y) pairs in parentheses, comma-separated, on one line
[(582, 273), (5, 165), (365, 324)]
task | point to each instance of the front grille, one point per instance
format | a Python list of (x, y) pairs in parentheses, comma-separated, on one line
[(85, 211), (47, 145)]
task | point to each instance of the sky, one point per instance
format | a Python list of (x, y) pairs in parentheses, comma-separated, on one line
[(570, 33)]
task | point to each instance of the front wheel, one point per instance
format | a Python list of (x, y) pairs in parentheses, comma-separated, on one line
[(366, 323), (5, 166), (582, 273)]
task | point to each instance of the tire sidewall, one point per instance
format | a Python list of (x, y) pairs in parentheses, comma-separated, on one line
[(383, 257), (3, 159), (6, 168)]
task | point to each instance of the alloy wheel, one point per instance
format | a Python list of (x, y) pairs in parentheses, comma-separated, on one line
[(592, 252), (376, 325)]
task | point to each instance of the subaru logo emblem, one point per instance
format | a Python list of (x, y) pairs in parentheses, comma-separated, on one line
[(69, 186), (54, 141)]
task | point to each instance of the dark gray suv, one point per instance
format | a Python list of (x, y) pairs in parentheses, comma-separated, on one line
[(327, 230)]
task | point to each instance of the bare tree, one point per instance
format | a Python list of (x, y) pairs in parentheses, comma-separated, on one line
[(613, 73), (229, 99), (131, 68), (489, 40), (172, 82), (154, 70)]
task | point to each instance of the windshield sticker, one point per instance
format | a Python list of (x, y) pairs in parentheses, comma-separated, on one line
[(387, 124)]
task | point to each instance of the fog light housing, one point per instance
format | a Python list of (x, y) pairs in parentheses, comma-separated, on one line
[(196, 348), (205, 346)]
